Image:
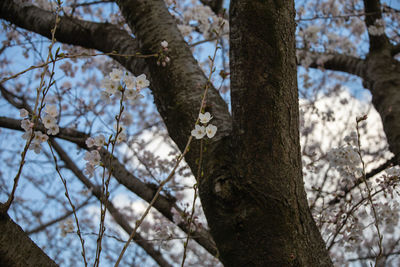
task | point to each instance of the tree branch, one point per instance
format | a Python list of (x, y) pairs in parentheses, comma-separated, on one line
[(177, 88), (360, 180), (334, 61), (373, 13), (104, 37), (124, 177), (58, 219), (117, 216)]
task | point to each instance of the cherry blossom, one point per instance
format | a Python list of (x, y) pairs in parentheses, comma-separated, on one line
[(211, 130), (23, 113), (205, 117), (142, 82), (199, 131)]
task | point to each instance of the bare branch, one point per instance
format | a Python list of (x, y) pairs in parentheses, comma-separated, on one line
[(335, 61)]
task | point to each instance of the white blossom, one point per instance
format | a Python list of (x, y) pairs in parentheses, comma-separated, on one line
[(211, 130), (116, 75), (110, 85), (39, 137), (27, 134), (199, 131), (205, 117), (48, 121), (99, 140), (26, 124), (23, 113), (393, 171), (93, 157), (51, 110), (142, 82), (89, 170), (130, 81), (164, 44), (105, 96), (378, 28), (132, 94), (185, 29), (53, 129), (90, 142)]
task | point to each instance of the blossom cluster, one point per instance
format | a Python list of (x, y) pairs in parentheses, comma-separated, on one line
[(200, 130), (97, 141), (50, 120), (93, 158), (131, 85), (50, 123), (346, 159), (203, 19)]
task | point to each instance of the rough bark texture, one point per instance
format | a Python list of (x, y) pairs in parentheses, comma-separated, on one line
[(273, 224), (17, 249)]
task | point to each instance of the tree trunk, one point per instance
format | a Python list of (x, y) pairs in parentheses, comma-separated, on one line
[(257, 209), (382, 78)]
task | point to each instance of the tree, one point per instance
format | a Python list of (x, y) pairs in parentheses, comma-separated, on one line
[(249, 176)]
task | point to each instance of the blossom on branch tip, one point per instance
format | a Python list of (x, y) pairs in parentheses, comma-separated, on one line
[(205, 117), (164, 44), (90, 142), (35, 147), (40, 137)]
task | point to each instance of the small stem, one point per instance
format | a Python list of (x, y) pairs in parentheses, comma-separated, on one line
[(194, 204)]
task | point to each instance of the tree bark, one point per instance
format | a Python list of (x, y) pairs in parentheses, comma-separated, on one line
[(265, 220), (17, 249)]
